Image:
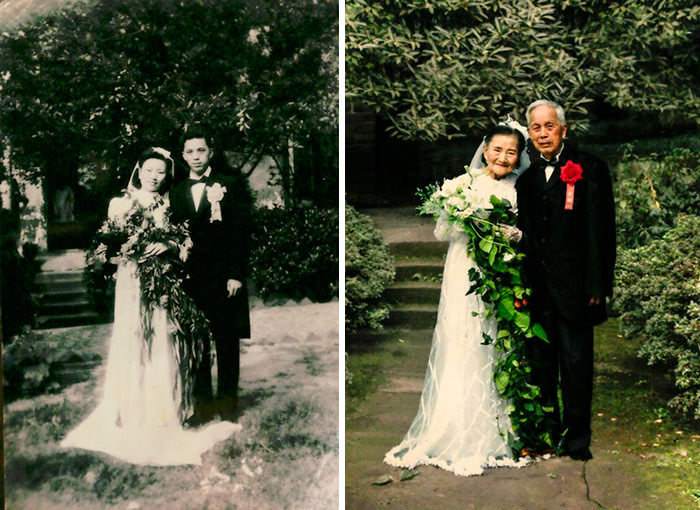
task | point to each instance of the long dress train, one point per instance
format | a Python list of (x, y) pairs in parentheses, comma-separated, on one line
[(137, 419), (462, 424)]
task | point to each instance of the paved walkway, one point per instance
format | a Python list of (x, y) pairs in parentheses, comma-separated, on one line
[(382, 419)]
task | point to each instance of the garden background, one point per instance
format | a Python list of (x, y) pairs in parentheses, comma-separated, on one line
[(422, 82)]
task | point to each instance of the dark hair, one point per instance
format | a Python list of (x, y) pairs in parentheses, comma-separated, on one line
[(151, 153), (500, 129), (196, 130)]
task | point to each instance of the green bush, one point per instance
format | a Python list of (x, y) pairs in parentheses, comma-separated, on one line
[(658, 295), (369, 269), (652, 191), (295, 253)]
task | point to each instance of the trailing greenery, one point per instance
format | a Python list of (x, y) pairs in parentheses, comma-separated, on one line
[(497, 279), (651, 191), (369, 270), (658, 295), (295, 253), (430, 67)]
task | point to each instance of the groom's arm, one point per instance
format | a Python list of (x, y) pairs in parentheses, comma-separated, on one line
[(238, 227)]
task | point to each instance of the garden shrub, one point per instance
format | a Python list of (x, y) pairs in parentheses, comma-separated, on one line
[(369, 269), (32, 366), (652, 191), (658, 295), (294, 253)]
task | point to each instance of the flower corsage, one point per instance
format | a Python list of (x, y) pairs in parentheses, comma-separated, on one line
[(215, 193)]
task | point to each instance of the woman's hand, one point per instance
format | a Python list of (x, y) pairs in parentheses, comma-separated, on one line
[(513, 234), (153, 249)]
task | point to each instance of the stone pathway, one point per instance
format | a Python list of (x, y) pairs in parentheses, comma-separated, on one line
[(380, 422)]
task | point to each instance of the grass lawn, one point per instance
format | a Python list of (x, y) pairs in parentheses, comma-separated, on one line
[(658, 452), (286, 456)]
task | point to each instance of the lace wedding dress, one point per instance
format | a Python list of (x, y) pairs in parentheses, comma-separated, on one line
[(462, 424), (138, 419)]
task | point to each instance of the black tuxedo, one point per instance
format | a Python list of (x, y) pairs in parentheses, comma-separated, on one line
[(570, 258), (219, 253)]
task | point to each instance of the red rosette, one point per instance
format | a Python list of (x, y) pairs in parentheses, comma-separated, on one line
[(571, 172)]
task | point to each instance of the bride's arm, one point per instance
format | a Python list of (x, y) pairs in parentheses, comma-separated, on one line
[(442, 228)]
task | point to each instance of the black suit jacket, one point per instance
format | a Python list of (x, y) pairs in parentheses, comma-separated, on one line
[(220, 252), (570, 253)]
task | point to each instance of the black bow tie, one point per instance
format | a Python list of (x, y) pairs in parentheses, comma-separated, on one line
[(552, 162), (196, 181)]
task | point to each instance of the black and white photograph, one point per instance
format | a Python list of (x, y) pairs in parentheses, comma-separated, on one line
[(522, 254), (170, 254)]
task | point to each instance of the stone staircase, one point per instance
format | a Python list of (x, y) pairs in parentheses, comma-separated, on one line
[(61, 293), (419, 261)]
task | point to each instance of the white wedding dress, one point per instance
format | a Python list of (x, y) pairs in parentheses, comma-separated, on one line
[(462, 424), (137, 419)]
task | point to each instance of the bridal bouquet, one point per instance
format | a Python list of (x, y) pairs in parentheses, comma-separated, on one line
[(498, 280), (127, 235)]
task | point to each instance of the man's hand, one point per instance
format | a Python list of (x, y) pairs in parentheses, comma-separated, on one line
[(232, 287)]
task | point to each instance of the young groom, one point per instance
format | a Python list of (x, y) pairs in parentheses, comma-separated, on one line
[(567, 214), (218, 209)]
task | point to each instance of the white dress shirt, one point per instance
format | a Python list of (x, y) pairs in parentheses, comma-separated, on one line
[(198, 189), (549, 169)]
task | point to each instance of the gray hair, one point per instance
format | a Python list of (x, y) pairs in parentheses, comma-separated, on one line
[(546, 102)]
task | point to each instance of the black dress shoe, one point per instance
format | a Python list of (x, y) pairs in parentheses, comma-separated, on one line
[(581, 454), (195, 420)]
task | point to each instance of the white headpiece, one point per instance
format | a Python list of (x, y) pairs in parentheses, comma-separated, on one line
[(131, 187), (524, 160)]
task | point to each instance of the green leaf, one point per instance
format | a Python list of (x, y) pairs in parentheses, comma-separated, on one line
[(522, 320), (539, 332), (486, 244), (502, 379), (408, 474), (506, 309), (383, 480)]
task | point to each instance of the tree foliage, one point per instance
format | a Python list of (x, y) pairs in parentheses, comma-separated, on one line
[(443, 68), (92, 85)]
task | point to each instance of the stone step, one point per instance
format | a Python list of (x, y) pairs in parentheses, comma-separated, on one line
[(69, 319), (418, 292), (419, 268), (58, 277), (62, 294), (418, 249), (67, 307), (413, 316)]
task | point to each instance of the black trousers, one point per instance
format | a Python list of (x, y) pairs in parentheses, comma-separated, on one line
[(567, 360), (228, 370)]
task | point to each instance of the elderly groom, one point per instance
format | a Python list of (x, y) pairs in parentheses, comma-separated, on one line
[(567, 215)]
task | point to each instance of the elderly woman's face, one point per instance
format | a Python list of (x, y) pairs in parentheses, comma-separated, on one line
[(501, 155), (152, 174)]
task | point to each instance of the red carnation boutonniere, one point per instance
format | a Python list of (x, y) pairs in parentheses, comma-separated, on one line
[(570, 173)]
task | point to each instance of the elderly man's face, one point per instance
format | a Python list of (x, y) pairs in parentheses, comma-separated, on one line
[(546, 132)]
